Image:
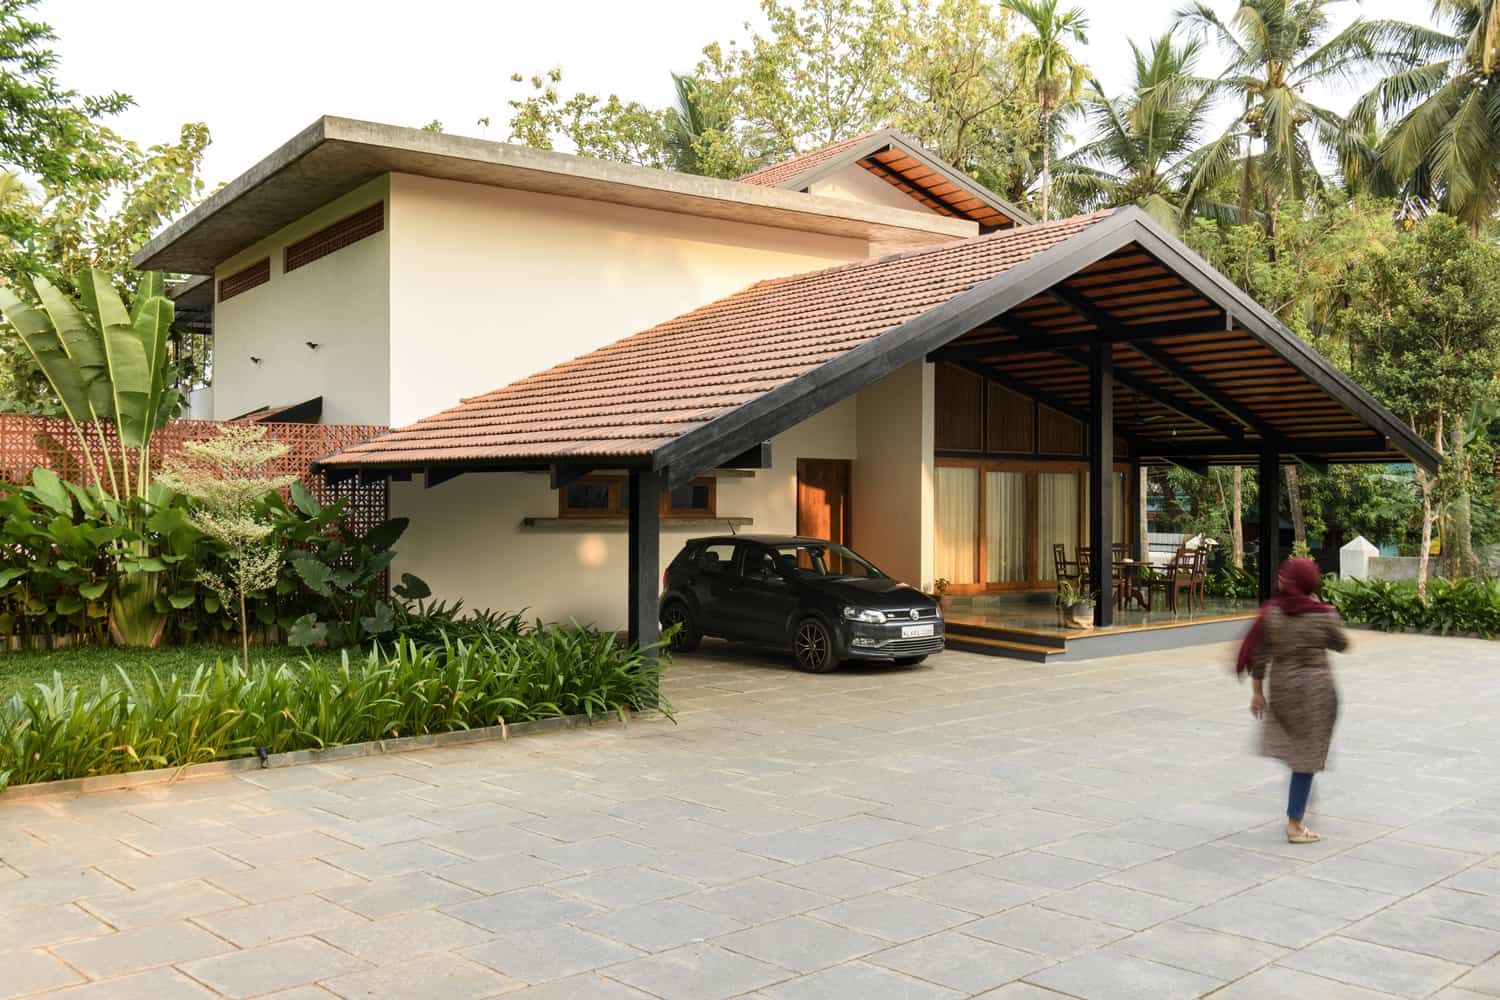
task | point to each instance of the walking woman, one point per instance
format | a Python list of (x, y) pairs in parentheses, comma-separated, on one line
[(1292, 636)]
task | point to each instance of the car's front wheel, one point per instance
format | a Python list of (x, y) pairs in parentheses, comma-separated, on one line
[(687, 637), (812, 644)]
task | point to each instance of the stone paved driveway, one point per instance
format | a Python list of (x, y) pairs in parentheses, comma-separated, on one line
[(1091, 829)]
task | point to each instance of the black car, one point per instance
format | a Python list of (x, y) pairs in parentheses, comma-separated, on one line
[(816, 597)]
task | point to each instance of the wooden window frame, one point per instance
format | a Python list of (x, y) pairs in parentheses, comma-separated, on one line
[(1030, 468), (617, 495)]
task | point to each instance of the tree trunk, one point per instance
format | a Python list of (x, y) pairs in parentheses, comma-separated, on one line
[(1294, 500), (1461, 516), (1046, 162), (1237, 519), (1143, 527), (1429, 516), (244, 635)]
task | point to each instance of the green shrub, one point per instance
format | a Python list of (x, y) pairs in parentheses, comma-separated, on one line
[(433, 624), (1233, 582), (58, 573), (62, 731), (1464, 605)]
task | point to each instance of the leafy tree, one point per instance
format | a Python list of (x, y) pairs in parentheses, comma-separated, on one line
[(606, 128), (226, 478), (50, 132), (1444, 146), (1143, 141), (961, 95), (1046, 61), (1426, 318), (1278, 51), (693, 125)]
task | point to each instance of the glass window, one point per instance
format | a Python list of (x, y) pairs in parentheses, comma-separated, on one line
[(1005, 527), (592, 497), (957, 555), (696, 497), (1056, 518), (823, 560), (717, 557), (608, 496)]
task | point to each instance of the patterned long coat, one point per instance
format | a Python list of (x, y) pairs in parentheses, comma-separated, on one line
[(1302, 703)]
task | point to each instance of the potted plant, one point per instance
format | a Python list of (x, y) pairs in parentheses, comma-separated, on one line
[(940, 592), (1075, 606)]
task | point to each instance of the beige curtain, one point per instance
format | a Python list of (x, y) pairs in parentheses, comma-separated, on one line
[(957, 524), (1004, 527), (1056, 518)]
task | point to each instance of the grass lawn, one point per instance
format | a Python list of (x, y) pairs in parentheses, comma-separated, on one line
[(20, 670)]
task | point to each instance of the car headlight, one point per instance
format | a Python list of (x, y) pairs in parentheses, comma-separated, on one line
[(869, 615)]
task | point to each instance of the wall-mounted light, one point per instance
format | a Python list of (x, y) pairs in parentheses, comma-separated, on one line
[(314, 345), (254, 360)]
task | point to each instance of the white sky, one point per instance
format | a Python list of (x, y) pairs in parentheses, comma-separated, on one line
[(258, 73)]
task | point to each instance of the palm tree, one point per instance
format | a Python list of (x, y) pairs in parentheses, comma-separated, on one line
[(1045, 60), (1142, 143), (689, 124), (1444, 148), (1277, 52)]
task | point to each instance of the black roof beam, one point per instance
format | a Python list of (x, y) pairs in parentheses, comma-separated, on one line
[(1204, 388), (1153, 448)]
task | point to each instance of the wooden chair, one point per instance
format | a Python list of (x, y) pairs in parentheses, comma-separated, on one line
[(1086, 572), (1175, 577), (1199, 577), (1062, 568)]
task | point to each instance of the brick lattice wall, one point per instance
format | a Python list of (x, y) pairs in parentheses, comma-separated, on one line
[(28, 442)]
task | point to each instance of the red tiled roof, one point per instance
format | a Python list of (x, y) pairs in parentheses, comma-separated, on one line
[(632, 397), (779, 173)]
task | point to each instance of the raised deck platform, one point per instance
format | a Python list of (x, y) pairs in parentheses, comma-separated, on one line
[(1025, 626)]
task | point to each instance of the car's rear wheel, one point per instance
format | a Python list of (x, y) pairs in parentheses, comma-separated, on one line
[(812, 644), (910, 661), (687, 637)]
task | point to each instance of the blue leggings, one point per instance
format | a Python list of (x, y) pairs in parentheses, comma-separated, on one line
[(1296, 801)]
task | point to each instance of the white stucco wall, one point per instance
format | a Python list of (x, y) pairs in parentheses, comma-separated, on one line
[(492, 285), (855, 183), (467, 541), (893, 477), (340, 302)]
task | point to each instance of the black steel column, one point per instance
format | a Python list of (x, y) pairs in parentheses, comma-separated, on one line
[(1102, 480), (1135, 521), (645, 555), (1270, 522)]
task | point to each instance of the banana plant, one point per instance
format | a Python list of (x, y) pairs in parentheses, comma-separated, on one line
[(107, 363)]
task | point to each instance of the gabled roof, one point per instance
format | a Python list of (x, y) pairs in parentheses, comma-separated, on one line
[(333, 156), (637, 395), (902, 162), (1193, 361)]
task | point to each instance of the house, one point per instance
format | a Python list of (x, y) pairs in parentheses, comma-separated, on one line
[(586, 363)]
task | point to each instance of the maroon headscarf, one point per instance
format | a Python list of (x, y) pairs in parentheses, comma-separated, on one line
[(1299, 583)]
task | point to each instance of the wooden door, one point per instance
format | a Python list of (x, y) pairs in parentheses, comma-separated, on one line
[(823, 498)]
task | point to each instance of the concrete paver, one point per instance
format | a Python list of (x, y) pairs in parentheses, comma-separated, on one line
[(975, 827)]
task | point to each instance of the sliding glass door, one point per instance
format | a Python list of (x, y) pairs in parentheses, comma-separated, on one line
[(956, 555), (1004, 527), (997, 521)]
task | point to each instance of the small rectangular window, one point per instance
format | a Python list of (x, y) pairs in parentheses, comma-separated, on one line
[(607, 496)]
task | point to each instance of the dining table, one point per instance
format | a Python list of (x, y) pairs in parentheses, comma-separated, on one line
[(1128, 573)]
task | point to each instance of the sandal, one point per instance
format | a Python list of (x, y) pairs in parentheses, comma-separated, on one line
[(1303, 836)]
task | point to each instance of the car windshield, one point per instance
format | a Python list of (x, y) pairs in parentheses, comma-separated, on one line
[(813, 559)]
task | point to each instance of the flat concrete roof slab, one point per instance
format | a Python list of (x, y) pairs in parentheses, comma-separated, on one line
[(333, 156)]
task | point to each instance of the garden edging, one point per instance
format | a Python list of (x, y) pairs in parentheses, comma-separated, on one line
[(292, 758)]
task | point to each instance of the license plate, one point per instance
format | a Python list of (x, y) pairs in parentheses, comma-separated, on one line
[(915, 631)]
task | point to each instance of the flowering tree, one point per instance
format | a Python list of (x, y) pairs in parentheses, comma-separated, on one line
[(226, 477)]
